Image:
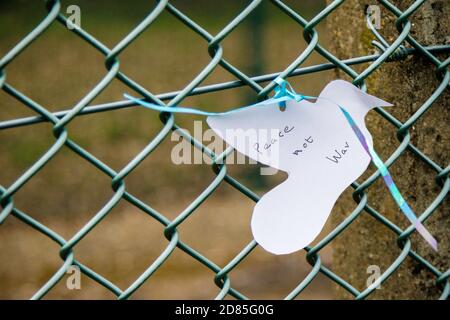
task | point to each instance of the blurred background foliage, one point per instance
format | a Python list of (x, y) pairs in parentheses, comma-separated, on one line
[(59, 68)]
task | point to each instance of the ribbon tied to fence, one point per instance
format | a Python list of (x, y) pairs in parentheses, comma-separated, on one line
[(308, 227)]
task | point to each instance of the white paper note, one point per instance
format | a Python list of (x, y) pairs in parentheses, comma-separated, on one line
[(318, 149)]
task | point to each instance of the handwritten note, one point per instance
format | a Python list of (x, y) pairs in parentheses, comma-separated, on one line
[(315, 145)]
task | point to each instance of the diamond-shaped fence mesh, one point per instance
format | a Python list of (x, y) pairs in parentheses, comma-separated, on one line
[(404, 45)]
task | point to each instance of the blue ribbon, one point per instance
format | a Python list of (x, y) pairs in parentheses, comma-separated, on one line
[(284, 89), (284, 92)]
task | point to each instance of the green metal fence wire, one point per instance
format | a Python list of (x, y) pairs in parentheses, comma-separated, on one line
[(61, 119)]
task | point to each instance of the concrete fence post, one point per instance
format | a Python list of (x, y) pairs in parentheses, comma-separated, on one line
[(367, 244)]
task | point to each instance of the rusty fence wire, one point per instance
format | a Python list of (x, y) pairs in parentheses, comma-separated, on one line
[(403, 45)]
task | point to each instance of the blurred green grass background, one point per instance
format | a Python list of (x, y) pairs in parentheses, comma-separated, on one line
[(59, 68)]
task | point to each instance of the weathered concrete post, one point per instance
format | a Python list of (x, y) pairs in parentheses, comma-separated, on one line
[(407, 84)]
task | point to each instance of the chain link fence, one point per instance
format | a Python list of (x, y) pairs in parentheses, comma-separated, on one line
[(403, 46)]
